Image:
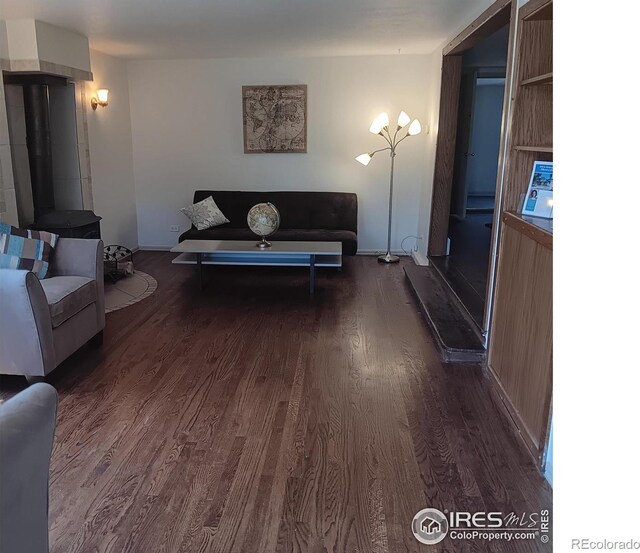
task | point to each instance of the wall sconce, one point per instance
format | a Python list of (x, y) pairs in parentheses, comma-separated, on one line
[(101, 98)]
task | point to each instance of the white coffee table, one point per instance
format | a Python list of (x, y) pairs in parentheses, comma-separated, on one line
[(245, 252)]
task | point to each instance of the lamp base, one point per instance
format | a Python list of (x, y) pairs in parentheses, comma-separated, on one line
[(388, 258)]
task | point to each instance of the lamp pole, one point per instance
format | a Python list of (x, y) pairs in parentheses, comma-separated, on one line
[(388, 257), (380, 126)]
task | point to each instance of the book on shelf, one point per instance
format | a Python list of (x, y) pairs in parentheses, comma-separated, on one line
[(538, 201)]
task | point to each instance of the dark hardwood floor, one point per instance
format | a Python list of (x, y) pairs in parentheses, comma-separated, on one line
[(250, 417)]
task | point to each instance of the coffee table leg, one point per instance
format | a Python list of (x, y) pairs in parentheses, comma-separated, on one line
[(312, 274), (201, 276)]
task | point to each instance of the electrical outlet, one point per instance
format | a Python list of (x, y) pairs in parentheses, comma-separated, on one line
[(174, 228), (415, 247)]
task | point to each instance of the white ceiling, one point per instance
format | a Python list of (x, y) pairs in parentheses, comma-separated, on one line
[(253, 28)]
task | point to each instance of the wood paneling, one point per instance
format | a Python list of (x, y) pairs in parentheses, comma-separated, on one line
[(520, 352), (445, 154), (520, 344), (250, 418), (537, 10)]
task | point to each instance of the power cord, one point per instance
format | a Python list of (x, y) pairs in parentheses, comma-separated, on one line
[(405, 238)]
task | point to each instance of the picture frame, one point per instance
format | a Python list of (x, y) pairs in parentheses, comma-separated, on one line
[(274, 118)]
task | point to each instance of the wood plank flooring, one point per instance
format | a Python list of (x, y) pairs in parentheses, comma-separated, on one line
[(250, 417)]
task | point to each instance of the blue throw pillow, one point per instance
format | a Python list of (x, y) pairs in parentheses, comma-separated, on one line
[(25, 249)]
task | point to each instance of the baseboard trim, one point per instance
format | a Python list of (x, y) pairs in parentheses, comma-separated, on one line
[(419, 258), (154, 248), (381, 252)]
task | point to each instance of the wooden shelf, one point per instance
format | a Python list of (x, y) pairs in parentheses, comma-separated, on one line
[(538, 230), (547, 78), (542, 149)]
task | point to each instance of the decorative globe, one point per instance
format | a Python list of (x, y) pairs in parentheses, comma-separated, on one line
[(264, 220)]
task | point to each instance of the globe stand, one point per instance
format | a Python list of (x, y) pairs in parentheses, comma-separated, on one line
[(264, 243)]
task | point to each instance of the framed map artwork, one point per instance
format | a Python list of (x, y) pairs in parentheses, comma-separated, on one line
[(274, 119)]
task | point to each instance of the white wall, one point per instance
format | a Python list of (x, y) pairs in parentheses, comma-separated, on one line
[(4, 41), (187, 135), (110, 149)]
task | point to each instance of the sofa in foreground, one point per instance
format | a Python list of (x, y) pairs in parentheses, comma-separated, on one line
[(42, 322), (304, 216)]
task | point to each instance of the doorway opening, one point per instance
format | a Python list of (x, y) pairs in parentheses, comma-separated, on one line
[(465, 263)]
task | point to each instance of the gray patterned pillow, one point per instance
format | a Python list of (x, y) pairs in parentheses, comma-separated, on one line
[(205, 214)]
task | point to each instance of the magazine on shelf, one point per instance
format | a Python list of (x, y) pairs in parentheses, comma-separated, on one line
[(539, 199)]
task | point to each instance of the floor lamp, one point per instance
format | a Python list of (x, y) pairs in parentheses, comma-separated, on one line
[(380, 126)]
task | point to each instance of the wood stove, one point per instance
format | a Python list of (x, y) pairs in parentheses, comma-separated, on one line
[(70, 223)]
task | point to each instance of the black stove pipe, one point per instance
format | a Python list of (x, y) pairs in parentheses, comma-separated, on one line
[(36, 109)]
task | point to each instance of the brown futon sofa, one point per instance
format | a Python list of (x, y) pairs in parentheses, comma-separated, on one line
[(304, 216)]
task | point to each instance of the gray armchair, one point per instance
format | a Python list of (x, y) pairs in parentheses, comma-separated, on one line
[(42, 322), (27, 425)]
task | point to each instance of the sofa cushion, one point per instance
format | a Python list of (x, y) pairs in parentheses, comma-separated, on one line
[(26, 249), (349, 239), (67, 296), (205, 214)]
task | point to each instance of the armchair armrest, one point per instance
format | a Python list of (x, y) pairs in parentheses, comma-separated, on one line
[(26, 339), (78, 257), (81, 257)]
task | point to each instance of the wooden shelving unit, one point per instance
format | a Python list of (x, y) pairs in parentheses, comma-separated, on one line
[(541, 149), (520, 339), (543, 13), (547, 78), (531, 127)]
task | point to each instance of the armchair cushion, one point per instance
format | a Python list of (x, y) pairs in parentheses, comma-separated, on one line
[(67, 296)]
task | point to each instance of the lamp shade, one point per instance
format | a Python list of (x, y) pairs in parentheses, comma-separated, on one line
[(103, 95), (376, 126), (364, 159), (403, 119), (415, 127)]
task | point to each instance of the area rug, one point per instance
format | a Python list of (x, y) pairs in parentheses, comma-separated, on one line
[(128, 290)]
